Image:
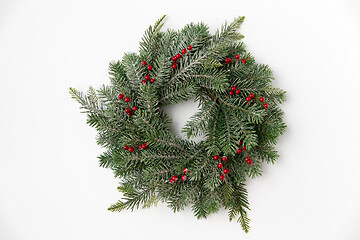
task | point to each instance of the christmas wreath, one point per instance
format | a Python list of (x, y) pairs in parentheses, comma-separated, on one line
[(239, 118)]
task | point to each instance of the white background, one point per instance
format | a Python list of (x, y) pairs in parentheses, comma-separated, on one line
[(51, 186)]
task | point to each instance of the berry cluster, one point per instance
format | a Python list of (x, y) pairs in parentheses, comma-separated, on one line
[(234, 90), (261, 99), (129, 110), (220, 165), (131, 149), (237, 57), (178, 56), (265, 105), (183, 177), (247, 159), (248, 98), (147, 76)]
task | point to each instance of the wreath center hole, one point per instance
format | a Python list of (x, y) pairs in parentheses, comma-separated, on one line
[(180, 113)]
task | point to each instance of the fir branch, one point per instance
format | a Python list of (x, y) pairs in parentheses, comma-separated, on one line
[(212, 147), (187, 68), (238, 205), (176, 93), (227, 139), (197, 123), (168, 143), (86, 102), (117, 207), (133, 70), (229, 32), (150, 35), (133, 200), (226, 191), (117, 75), (253, 115)]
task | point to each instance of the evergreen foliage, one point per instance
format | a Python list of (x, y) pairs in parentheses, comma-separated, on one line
[(222, 119)]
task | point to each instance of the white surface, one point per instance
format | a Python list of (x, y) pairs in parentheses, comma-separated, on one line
[(50, 184)]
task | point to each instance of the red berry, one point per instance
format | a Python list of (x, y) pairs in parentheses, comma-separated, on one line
[(173, 66), (237, 91), (261, 99), (216, 157), (244, 148), (251, 95), (231, 93), (134, 108), (171, 181), (140, 146), (221, 177), (152, 80), (265, 105), (228, 60), (120, 96), (149, 67), (127, 99), (246, 158), (131, 149), (247, 99), (189, 47), (183, 178), (224, 158), (226, 171), (143, 63), (174, 58), (143, 146), (238, 150), (174, 178), (243, 61), (126, 147), (237, 56), (219, 165), (143, 81), (185, 170), (129, 113), (183, 51), (147, 77), (178, 56), (233, 88), (127, 110), (249, 162)]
